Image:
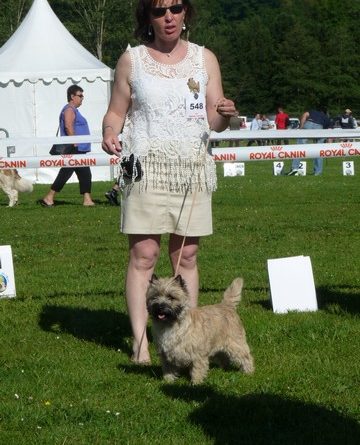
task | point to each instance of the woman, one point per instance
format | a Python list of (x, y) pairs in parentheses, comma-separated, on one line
[(167, 95), (71, 123)]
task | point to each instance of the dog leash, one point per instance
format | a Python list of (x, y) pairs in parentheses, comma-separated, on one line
[(202, 163)]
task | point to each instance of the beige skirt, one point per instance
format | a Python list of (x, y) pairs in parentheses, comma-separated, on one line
[(156, 212)]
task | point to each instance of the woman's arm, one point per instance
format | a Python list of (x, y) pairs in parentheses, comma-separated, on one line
[(218, 108), (303, 119), (69, 120), (114, 118)]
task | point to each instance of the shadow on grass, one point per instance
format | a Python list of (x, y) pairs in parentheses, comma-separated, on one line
[(151, 371), (330, 299), (342, 298), (105, 327), (257, 419)]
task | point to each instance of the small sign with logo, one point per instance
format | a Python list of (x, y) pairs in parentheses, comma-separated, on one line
[(7, 277), (348, 168), (234, 169)]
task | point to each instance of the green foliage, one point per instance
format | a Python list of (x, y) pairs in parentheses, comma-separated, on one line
[(65, 372), (293, 53)]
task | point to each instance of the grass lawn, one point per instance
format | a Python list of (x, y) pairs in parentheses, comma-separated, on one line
[(65, 372)]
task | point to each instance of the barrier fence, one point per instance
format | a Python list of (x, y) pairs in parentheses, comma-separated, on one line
[(274, 152)]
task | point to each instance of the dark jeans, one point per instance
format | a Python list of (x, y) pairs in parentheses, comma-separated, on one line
[(83, 174)]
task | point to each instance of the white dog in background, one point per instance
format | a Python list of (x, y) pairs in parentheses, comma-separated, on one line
[(12, 183)]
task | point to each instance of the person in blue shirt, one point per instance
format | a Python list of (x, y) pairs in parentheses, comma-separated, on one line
[(72, 123), (312, 120)]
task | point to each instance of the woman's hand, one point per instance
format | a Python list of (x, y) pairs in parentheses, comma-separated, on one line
[(110, 143), (225, 107)]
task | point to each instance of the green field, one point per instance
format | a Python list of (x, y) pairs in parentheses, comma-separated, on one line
[(65, 372)]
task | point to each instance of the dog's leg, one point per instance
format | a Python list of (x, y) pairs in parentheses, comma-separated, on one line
[(199, 370), (11, 193), (13, 198), (169, 371), (241, 357)]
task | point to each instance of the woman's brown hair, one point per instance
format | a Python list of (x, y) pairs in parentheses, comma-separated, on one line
[(142, 15)]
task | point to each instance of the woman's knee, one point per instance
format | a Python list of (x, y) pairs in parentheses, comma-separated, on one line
[(144, 252), (188, 252), (188, 258)]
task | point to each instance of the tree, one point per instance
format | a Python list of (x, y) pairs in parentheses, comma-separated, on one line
[(11, 14)]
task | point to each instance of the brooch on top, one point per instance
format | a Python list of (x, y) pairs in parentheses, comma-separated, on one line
[(194, 87)]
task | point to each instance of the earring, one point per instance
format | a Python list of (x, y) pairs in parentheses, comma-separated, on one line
[(150, 30), (184, 27)]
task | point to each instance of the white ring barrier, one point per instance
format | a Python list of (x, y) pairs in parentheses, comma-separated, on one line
[(224, 135), (286, 134), (225, 154)]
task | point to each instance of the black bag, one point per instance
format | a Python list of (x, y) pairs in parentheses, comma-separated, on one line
[(62, 149), (129, 170)]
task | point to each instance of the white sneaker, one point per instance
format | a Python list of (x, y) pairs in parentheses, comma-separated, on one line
[(293, 172)]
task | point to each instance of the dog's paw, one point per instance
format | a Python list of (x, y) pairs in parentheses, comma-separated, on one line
[(170, 377), (248, 365)]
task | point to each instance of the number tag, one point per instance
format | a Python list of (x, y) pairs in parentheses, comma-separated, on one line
[(195, 106)]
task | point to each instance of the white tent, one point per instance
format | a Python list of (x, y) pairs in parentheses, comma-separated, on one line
[(37, 65)]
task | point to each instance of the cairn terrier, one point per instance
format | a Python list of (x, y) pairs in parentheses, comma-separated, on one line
[(187, 339), (12, 183)]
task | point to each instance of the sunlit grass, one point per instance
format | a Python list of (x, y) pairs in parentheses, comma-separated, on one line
[(65, 372)]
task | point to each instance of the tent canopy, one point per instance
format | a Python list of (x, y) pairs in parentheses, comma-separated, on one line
[(37, 65), (42, 48)]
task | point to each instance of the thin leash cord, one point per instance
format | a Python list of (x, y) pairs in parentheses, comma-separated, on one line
[(186, 230), (191, 208)]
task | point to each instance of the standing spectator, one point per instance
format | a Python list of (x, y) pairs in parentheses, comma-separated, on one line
[(255, 126), (266, 125), (346, 120), (72, 123), (234, 124), (282, 122), (312, 120), (167, 96)]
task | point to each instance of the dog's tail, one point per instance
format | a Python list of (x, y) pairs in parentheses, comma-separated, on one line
[(232, 295), (23, 185)]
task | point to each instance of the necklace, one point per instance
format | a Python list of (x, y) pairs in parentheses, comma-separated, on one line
[(169, 54), (174, 49)]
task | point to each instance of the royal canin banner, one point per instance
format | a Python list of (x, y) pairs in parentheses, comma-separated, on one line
[(226, 154), (284, 152), (70, 161)]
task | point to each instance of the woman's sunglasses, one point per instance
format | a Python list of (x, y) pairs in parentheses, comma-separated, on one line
[(174, 9)]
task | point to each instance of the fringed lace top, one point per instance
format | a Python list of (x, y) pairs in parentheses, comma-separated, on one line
[(170, 145)]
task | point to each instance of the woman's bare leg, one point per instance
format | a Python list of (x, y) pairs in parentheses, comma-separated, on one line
[(188, 263), (144, 252)]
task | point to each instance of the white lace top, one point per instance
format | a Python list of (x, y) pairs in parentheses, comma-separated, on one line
[(170, 146)]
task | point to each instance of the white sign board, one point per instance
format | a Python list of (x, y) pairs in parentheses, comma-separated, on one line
[(278, 168), (302, 168), (292, 284), (348, 168), (234, 169), (7, 277)]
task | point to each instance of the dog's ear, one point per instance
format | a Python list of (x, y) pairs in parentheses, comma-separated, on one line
[(154, 279), (179, 279)]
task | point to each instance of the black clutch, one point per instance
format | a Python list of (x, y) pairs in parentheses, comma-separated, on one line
[(131, 170)]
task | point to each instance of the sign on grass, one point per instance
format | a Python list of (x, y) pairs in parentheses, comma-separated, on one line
[(7, 278), (292, 284), (234, 169), (348, 168)]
